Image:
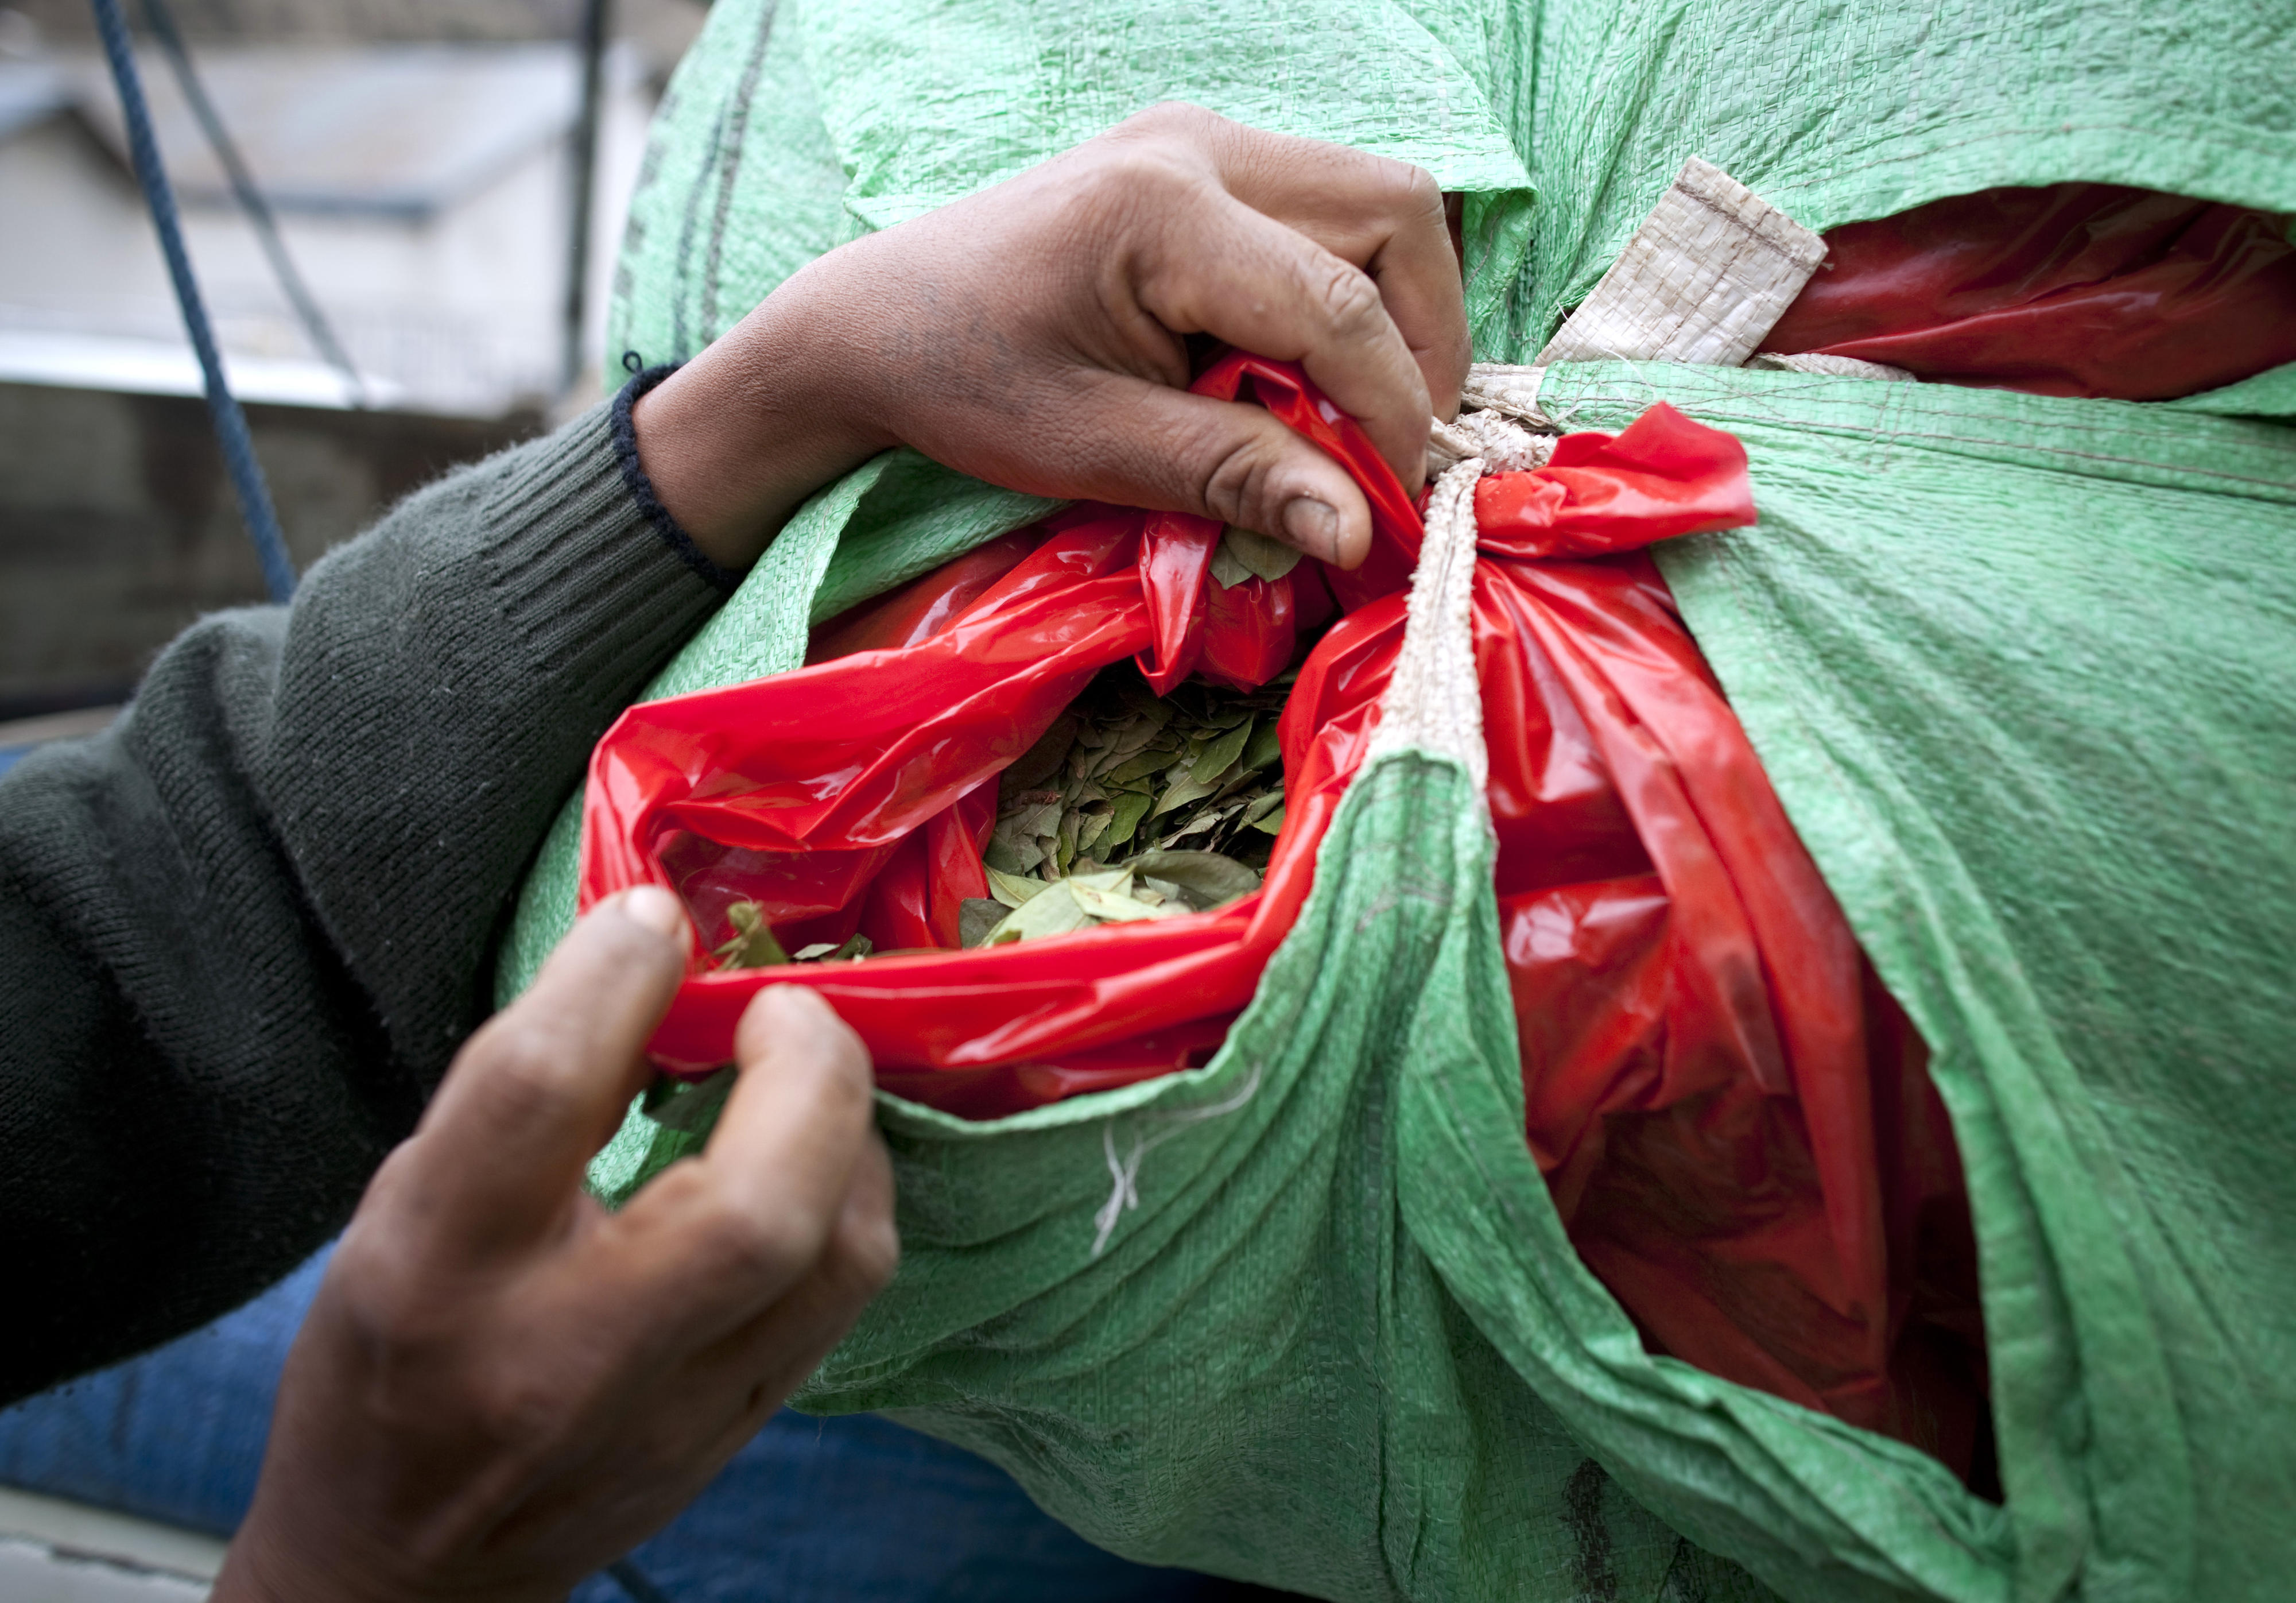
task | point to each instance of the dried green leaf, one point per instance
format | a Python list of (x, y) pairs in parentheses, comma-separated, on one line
[(1040, 915), (1221, 754), (1093, 826), (1228, 569), (1130, 808), (753, 945), (1255, 553), (1043, 759), (1140, 766), (1264, 749), (1038, 812), (1205, 879), (976, 916), (1180, 793), (1011, 890), (1243, 784), (1135, 693), (1273, 824), (1110, 907), (1203, 762), (1198, 825), (1010, 851), (1135, 735)]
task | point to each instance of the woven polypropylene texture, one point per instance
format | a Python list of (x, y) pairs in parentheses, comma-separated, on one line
[(793, 127), (2020, 670), (789, 129), (1839, 113)]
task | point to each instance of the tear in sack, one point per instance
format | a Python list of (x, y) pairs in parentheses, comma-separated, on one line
[(1691, 1008)]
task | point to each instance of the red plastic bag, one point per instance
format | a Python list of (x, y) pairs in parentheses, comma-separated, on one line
[(1737, 1148), (2070, 289), (856, 794)]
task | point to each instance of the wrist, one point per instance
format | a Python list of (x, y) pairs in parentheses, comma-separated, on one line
[(734, 440)]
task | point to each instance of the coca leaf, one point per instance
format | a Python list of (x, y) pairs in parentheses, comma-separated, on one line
[(1205, 879), (1255, 553), (753, 945), (1130, 808), (1221, 754), (1228, 569), (1011, 890), (1264, 749), (976, 916), (1042, 761)]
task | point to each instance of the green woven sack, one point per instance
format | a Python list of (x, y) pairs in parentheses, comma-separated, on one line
[(2022, 669)]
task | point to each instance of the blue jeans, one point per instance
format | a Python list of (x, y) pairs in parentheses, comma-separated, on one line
[(855, 1509)]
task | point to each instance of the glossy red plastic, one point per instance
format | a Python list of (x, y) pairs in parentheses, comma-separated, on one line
[(1734, 1120), (2067, 289)]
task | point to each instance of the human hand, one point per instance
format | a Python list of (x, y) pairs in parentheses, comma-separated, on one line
[(501, 1386), (1033, 336)]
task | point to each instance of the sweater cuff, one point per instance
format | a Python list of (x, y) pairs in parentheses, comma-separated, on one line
[(641, 488), (579, 569)]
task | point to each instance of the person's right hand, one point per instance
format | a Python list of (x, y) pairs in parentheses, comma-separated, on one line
[(501, 1386), (1035, 335)]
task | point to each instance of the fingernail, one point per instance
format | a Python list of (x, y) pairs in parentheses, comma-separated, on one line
[(654, 909), (1313, 526)]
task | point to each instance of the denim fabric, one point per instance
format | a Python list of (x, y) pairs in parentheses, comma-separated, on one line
[(853, 1509)]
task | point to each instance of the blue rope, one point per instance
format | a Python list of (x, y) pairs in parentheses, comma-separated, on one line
[(162, 24), (230, 422)]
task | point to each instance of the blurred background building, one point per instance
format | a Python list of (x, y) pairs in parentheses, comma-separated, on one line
[(418, 158)]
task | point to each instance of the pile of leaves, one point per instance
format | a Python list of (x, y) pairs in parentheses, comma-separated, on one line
[(1131, 806), (753, 945), (1134, 806), (1124, 770)]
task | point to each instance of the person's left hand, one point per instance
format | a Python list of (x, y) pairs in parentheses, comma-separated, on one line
[(500, 1385)]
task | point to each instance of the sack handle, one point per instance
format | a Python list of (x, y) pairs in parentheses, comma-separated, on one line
[(1434, 705)]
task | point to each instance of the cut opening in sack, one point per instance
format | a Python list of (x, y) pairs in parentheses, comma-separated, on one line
[(2094, 290), (1734, 1120)]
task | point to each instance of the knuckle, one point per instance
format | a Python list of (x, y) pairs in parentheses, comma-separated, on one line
[(1416, 190), (1346, 297), (523, 1068), (1170, 120), (1138, 182), (517, 1402), (748, 1247), (869, 1249), (1236, 483), (388, 1302)]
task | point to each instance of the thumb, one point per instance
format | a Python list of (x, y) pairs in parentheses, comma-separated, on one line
[(1136, 443)]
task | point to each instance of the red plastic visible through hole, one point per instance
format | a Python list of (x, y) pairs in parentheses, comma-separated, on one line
[(1732, 1118)]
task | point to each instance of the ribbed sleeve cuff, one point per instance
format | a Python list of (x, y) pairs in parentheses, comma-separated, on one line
[(582, 570), (641, 488)]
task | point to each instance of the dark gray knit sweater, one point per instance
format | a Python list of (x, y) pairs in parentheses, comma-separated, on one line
[(242, 932)]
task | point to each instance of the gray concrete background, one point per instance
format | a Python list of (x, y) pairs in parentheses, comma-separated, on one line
[(118, 526)]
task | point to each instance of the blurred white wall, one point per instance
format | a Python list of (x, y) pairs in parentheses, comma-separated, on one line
[(422, 188)]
